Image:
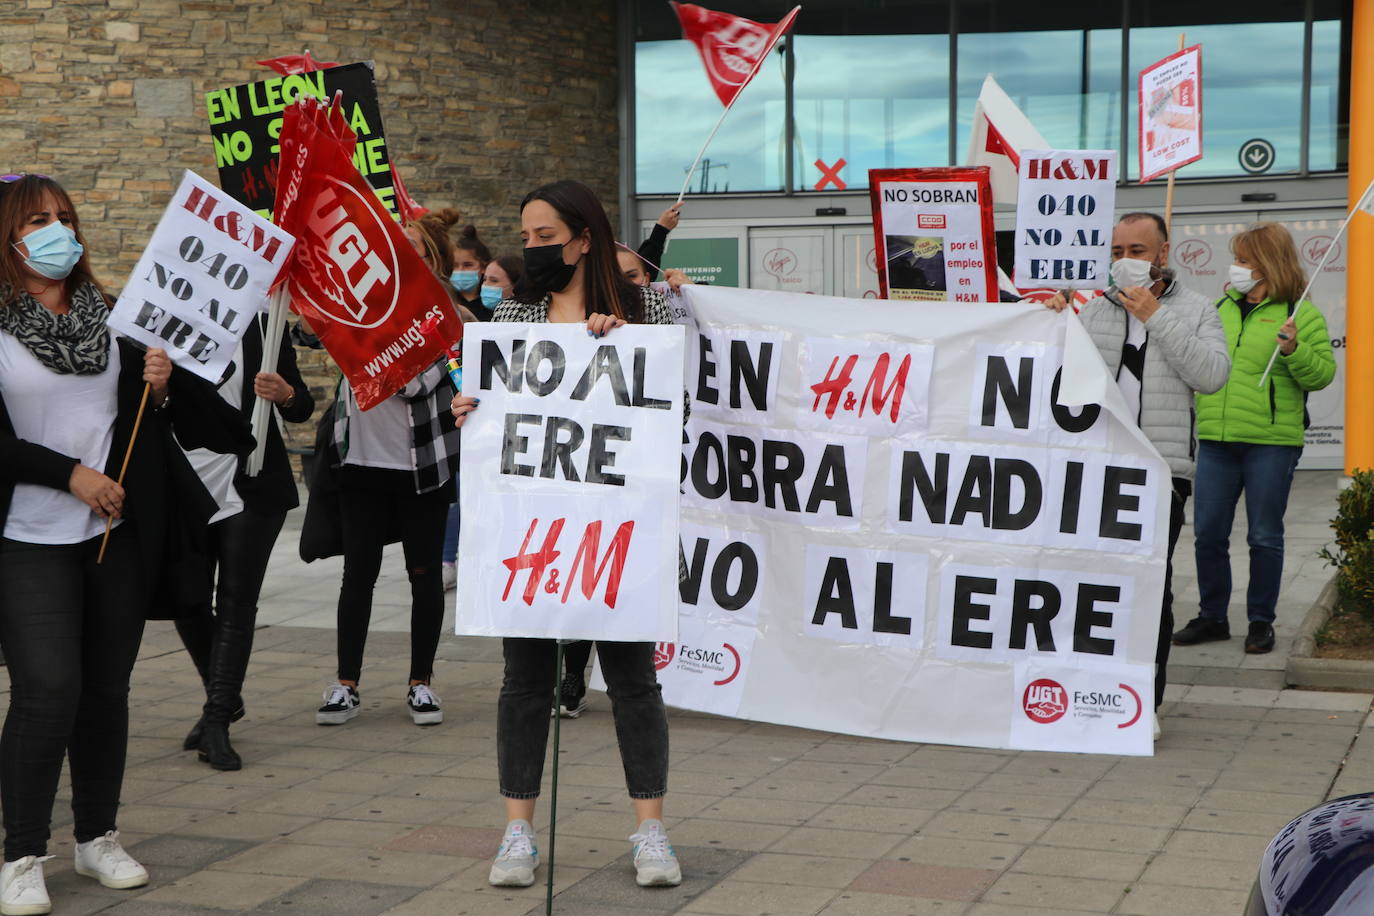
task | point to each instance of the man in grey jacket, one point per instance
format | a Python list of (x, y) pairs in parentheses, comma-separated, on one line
[(1163, 342)]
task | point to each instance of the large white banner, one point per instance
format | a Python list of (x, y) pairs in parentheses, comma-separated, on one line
[(922, 524), (1064, 218), (570, 482), (202, 278)]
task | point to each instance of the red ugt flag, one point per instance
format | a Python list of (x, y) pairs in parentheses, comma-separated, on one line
[(353, 274), (731, 47)]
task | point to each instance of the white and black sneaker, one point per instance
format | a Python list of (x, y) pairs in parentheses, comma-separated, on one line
[(572, 696), (341, 703), (424, 705)]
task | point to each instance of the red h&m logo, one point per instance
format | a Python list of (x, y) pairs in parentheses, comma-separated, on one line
[(835, 388), (537, 563)]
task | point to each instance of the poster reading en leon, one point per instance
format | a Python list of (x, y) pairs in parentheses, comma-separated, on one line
[(245, 122), (933, 234)]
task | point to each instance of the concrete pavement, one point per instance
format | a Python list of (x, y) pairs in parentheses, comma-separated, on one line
[(380, 816)]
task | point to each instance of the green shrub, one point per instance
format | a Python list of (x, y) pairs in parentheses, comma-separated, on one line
[(1354, 553)]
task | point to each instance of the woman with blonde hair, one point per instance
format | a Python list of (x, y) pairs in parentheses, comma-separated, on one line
[(1251, 431)]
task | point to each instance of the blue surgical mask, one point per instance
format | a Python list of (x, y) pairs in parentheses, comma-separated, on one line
[(53, 250), (492, 296), (464, 280)]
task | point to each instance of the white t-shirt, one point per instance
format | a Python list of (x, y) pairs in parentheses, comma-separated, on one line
[(380, 437), (74, 416), (217, 471)]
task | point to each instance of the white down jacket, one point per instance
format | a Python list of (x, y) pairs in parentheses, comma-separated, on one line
[(1185, 353)]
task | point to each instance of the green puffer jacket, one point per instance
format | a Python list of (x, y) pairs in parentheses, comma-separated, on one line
[(1274, 414)]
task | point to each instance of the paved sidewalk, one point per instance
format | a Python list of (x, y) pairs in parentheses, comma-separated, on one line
[(380, 816)]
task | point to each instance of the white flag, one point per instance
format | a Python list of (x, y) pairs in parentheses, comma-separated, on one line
[(1000, 132)]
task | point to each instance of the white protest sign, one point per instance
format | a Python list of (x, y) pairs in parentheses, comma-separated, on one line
[(1170, 95), (1064, 218), (202, 278), (963, 548), (570, 482)]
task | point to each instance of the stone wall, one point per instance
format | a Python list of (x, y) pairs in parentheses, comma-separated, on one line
[(482, 101)]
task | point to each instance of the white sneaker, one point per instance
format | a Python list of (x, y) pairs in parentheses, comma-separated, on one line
[(106, 861), (423, 704), (517, 858), (450, 575), (341, 703), (655, 862), (22, 889)]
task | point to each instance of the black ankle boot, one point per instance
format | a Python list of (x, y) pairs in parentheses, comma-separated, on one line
[(216, 750), (192, 741)]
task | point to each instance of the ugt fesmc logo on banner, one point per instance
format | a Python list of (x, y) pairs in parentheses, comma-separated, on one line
[(203, 277), (571, 463)]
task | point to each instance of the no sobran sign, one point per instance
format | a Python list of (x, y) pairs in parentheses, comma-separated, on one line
[(571, 467), (204, 275), (933, 234), (932, 527)]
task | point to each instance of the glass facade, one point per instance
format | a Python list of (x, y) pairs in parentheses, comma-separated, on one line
[(871, 84)]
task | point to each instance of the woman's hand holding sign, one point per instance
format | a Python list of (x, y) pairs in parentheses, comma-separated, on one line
[(599, 325), (461, 406), (157, 371)]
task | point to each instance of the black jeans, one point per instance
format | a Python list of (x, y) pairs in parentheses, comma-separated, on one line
[(1181, 491), (239, 548), (70, 630), (522, 715), (366, 515)]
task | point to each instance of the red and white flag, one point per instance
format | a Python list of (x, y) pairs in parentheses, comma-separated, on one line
[(732, 48), (353, 274), (1000, 132)]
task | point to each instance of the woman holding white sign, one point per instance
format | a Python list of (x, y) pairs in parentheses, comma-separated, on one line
[(70, 623), (571, 275)]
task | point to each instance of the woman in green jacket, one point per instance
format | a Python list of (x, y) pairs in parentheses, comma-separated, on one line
[(1251, 431)]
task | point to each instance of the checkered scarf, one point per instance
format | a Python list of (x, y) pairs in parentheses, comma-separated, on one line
[(433, 437)]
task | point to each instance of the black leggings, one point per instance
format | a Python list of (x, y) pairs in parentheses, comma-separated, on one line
[(70, 630), (366, 515), (239, 548)]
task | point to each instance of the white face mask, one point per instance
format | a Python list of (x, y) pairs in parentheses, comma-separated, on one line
[(1242, 279), (1130, 272)]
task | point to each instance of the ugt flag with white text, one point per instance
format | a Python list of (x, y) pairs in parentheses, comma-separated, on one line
[(923, 524), (202, 278), (570, 482)]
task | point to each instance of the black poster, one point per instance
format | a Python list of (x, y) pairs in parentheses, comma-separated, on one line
[(245, 122)]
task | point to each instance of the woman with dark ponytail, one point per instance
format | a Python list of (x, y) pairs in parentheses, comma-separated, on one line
[(470, 259), (571, 275)]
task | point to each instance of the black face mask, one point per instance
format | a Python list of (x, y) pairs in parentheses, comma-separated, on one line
[(545, 269)]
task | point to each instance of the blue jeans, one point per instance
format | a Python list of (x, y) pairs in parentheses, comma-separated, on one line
[(1265, 474)]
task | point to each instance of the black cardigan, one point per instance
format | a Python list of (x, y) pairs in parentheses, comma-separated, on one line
[(274, 489), (164, 498)]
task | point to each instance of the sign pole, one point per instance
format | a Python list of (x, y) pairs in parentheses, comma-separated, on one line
[(553, 793), (128, 453), (1169, 192)]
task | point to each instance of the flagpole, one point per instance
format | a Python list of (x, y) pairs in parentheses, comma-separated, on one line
[(1326, 256), (262, 408)]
